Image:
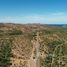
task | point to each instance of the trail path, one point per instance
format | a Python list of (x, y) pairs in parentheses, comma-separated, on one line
[(34, 59)]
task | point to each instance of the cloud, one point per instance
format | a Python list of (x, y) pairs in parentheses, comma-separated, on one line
[(60, 16), (59, 13), (50, 18)]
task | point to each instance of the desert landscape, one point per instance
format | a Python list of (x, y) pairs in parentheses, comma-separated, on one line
[(33, 45), (33, 33)]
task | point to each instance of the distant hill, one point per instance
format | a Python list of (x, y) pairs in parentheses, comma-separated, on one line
[(57, 24)]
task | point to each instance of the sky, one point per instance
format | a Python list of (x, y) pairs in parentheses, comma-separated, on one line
[(33, 11)]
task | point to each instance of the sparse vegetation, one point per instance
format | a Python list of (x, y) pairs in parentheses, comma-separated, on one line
[(14, 32), (5, 53), (16, 45)]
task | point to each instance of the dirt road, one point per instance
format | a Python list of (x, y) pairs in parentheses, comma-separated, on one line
[(34, 59)]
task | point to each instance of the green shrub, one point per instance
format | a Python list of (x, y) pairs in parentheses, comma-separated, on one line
[(5, 53), (14, 32)]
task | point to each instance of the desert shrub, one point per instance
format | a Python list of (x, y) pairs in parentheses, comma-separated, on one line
[(5, 53), (1, 31), (14, 32)]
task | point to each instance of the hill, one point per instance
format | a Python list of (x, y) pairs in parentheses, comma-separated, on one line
[(33, 45)]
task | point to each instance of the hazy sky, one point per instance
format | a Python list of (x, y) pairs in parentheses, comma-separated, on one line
[(33, 11)]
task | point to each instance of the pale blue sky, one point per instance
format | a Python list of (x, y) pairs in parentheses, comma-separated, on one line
[(34, 11)]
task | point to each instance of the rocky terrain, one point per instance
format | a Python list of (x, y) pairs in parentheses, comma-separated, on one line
[(33, 45)]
